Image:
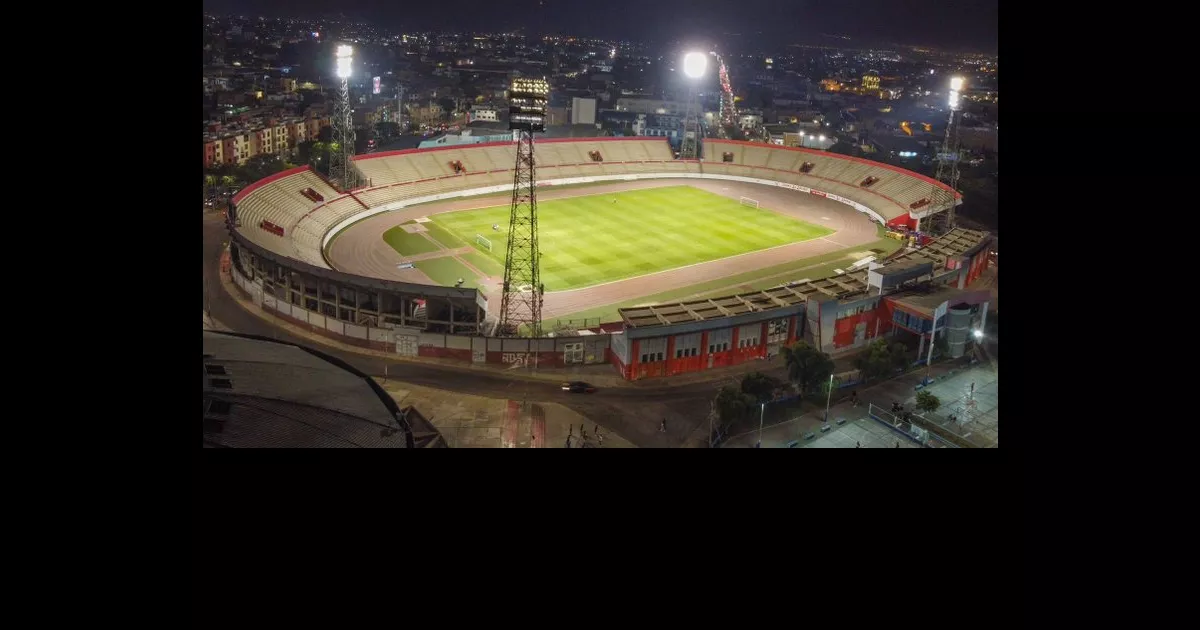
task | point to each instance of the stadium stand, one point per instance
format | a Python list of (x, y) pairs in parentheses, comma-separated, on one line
[(282, 203)]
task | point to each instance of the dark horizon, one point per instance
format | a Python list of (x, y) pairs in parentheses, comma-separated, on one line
[(953, 25)]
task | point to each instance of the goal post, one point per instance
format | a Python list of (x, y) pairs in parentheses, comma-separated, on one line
[(746, 201), (483, 242)]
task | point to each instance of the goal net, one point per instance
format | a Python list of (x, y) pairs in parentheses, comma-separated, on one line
[(746, 201), (483, 242)]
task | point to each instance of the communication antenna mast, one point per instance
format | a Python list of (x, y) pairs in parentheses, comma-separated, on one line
[(947, 162), (521, 302), (341, 159)]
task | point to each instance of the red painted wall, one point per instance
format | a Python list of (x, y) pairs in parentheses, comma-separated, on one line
[(843, 329), (903, 221)]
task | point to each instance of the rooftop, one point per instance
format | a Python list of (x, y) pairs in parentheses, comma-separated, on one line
[(842, 287), (260, 393), (925, 302)]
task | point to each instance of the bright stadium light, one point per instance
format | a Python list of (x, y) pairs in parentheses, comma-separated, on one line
[(694, 64), (345, 57), (821, 138), (956, 83)]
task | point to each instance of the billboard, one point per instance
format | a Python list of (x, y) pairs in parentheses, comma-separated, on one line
[(375, 85)]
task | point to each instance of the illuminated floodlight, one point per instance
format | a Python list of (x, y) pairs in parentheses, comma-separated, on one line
[(956, 83), (821, 138), (694, 64), (978, 333), (345, 58)]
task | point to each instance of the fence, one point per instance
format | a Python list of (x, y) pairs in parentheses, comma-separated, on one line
[(889, 420)]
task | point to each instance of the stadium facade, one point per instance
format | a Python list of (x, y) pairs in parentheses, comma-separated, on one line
[(281, 226)]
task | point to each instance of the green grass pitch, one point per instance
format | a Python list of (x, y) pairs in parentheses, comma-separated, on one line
[(407, 244), (590, 240), (447, 271)]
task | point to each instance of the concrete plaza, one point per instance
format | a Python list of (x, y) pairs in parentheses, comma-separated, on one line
[(467, 421), (977, 411)]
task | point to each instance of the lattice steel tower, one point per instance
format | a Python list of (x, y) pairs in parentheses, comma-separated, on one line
[(947, 161), (521, 302), (694, 66), (341, 163)]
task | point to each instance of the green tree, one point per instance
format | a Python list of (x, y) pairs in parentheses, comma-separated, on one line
[(941, 347), (875, 361), (927, 402), (385, 130), (761, 387), (732, 405), (844, 148), (807, 366), (898, 355)]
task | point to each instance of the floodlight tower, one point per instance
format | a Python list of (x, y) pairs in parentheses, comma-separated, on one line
[(341, 166), (521, 302), (694, 65), (947, 158)]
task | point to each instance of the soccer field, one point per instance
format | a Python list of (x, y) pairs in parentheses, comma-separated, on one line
[(590, 240)]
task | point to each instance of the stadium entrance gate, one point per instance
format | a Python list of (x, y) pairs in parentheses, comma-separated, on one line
[(407, 340)]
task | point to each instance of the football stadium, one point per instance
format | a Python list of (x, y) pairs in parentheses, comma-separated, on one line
[(654, 264)]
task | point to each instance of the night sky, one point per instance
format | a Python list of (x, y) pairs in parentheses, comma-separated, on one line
[(967, 25)]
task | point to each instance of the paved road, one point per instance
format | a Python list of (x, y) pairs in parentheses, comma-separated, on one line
[(612, 408)]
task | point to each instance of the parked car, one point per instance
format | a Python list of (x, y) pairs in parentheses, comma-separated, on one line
[(578, 387)]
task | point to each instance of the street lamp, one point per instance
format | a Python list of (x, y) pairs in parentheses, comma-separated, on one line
[(827, 397), (762, 409), (978, 334)]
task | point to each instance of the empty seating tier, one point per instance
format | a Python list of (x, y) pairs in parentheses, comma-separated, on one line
[(290, 213)]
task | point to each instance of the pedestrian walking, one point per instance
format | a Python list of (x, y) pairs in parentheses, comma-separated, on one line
[(662, 426), (596, 430), (972, 387), (857, 445), (854, 398), (600, 439), (897, 443)]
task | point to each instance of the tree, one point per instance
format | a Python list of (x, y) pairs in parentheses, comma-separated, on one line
[(898, 354), (304, 152), (807, 366), (876, 360), (761, 387), (261, 166), (387, 129), (844, 148), (731, 405), (927, 402), (941, 347)]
